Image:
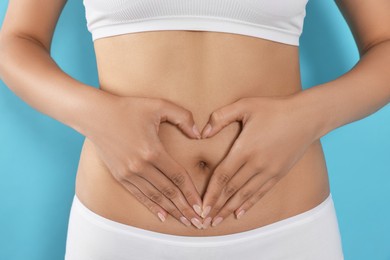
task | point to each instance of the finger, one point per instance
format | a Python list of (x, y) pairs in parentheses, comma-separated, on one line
[(172, 192), (252, 187), (223, 117), (242, 176), (255, 197), (157, 197), (180, 117), (221, 176), (179, 176), (152, 206)]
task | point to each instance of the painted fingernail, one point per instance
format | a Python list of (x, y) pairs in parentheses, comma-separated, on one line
[(185, 221), (207, 130), (197, 209), (206, 223), (161, 216), (217, 221), (197, 223), (206, 211), (196, 131), (239, 215)]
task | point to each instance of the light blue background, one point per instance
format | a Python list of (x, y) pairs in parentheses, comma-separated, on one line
[(39, 155)]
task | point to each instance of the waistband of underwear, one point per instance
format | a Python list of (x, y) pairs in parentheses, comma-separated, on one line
[(278, 226)]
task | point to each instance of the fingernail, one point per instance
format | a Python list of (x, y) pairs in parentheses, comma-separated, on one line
[(196, 131), (206, 211), (161, 216), (217, 221), (239, 215), (207, 130), (206, 223), (196, 222), (197, 209), (185, 221)]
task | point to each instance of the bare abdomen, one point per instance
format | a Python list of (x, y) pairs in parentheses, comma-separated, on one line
[(203, 72)]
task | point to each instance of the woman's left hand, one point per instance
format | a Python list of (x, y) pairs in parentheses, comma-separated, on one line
[(276, 132)]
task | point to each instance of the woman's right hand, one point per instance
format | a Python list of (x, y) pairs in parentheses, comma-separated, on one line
[(126, 138)]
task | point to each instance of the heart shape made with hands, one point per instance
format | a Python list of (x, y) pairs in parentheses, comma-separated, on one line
[(217, 120), (208, 131)]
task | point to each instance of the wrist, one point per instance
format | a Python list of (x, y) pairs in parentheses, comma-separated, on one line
[(311, 111), (91, 107)]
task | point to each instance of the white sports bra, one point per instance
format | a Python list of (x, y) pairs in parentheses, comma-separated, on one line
[(276, 20)]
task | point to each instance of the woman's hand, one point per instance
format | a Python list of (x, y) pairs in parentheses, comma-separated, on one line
[(276, 132), (126, 137)]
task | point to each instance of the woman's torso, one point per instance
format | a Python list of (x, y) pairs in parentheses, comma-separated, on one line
[(200, 71)]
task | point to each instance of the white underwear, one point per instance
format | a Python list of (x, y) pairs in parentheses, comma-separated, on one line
[(311, 235)]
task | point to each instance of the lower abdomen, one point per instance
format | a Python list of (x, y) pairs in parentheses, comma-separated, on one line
[(305, 186)]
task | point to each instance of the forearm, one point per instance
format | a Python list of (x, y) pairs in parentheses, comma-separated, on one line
[(355, 95), (28, 70)]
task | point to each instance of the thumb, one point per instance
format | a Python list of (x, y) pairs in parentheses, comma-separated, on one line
[(179, 116), (223, 117)]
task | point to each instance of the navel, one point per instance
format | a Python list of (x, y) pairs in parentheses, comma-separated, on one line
[(203, 165)]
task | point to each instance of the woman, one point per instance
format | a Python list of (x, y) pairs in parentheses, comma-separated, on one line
[(232, 64)]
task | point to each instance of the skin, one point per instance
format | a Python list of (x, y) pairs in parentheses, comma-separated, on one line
[(262, 127)]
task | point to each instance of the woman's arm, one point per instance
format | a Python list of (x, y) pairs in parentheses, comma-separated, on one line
[(27, 68), (366, 87), (136, 158)]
